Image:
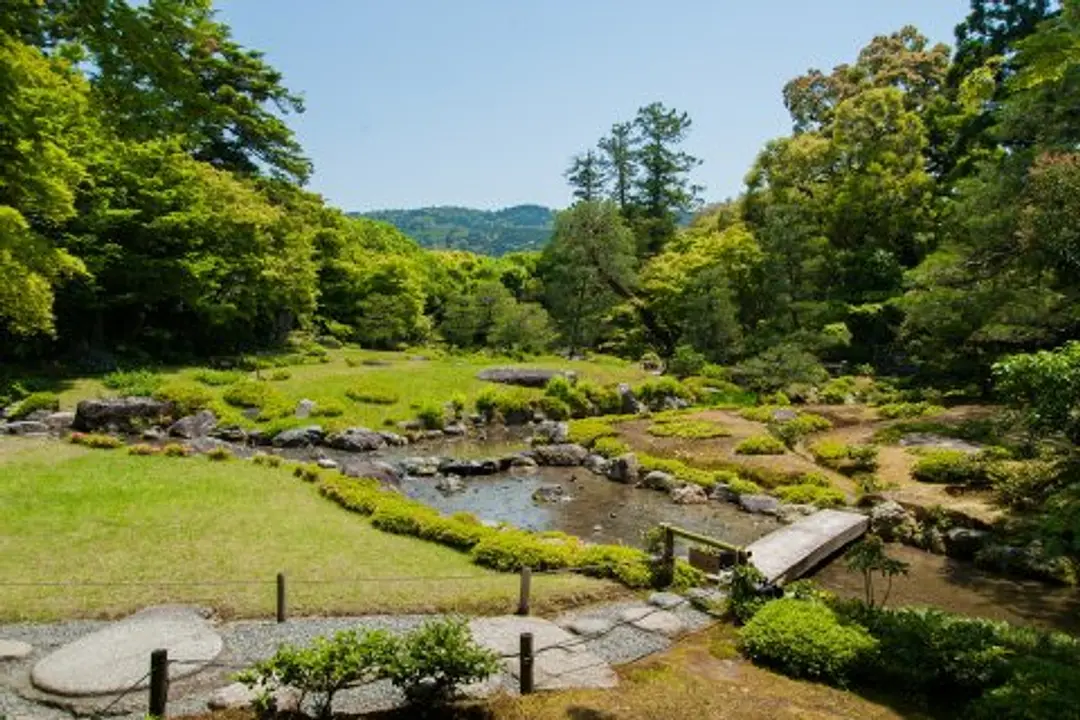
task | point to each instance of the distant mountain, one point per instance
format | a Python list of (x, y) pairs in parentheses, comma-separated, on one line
[(490, 232)]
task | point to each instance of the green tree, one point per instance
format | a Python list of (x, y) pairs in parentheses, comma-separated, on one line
[(587, 176), (1045, 388), (619, 163), (869, 558)]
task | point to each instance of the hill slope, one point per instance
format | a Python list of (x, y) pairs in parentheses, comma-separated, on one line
[(491, 232)]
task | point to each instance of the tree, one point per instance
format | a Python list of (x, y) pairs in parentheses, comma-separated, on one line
[(1045, 388), (663, 186), (992, 29), (588, 176), (587, 267), (619, 163), (868, 558)]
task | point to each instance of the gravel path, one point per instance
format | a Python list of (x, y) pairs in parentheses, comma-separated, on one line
[(248, 641)]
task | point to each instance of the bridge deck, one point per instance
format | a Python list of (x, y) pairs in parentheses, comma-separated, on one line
[(792, 551)]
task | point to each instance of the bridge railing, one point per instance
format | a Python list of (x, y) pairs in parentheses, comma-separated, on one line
[(667, 557)]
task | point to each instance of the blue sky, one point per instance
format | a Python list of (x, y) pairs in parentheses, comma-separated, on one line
[(482, 102)]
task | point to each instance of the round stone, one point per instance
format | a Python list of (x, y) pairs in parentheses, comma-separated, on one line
[(14, 649)]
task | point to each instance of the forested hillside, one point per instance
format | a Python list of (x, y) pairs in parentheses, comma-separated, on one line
[(488, 232)]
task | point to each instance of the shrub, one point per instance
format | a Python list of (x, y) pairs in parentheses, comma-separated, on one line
[(216, 378), (511, 550), (678, 469), (576, 402), (140, 383), (630, 566), (790, 432), (605, 400), (1024, 485), (433, 662), (143, 449), (368, 396), (908, 410), (1038, 689), (328, 408), (778, 367), (689, 429), (554, 408), (588, 430), (280, 375), (654, 392), (36, 401), (847, 459), (951, 467), (739, 486), (760, 445), (186, 397), (97, 441), (458, 403), (513, 404), (761, 413), (686, 362), (432, 416), (219, 454), (809, 478), (746, 596), (610, 447), (805, 640), (175, 450), (811, 495), (251, 393)]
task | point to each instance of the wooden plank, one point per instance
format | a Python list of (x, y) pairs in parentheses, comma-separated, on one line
[(704, 539), (793, 551)]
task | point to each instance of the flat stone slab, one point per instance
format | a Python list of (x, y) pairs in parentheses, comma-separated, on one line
[(117, 657), (666, 600), (651, 619), (590, 626), (561, 660), (14, 649), (790, 552)]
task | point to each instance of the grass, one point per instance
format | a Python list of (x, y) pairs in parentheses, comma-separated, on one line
[(387, 393), (73, 514), (689, 429)]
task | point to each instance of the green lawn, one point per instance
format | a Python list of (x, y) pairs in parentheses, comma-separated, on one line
[(91, 516), (413, 381)]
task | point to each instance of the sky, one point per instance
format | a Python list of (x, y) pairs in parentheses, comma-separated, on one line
[(482, 103)]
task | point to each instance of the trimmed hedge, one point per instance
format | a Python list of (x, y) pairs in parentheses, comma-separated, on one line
[(811, 495), (36, 401), (950, 467)]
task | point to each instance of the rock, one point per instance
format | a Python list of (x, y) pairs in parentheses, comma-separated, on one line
[(891, 521), (597, 464), (469, 468), (153, 434), (476, 419), (449, 484), (689, 495), (260, 437), (630, 403), (411, 425), (793, 513), (432, 435), (327, 463), (723, 493), (760, 504), (674, 403), (299, 437), (357, 439), (624, 468), (549, 493), (305, 408), (239, 696), (455, 430), (550, 432), (566, 455), (384, 472), (705, 597), (393, 439), (37, 415), (525, 377), (194, 426), (598, 528), (657, 480), (119, 413), (114, 659), (522, 461), (666, 600), (26, 427), (939, 441), (14, 650), (653, 620), (590, 626), (964, 543), (421, 466), (59, 421), (230, 433), (784, 415)]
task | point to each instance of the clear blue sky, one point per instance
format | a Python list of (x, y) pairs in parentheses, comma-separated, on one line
[(482, 102)]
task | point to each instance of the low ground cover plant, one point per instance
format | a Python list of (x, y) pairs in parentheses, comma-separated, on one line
[(98, 441), (761, 445), (34, 402), (909, 410), (688, 429), (846, 459), (950, 467), (140, 383)]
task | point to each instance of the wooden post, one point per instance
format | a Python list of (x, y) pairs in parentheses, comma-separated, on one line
[(159, 682), (526, 669), (526, 587), (668, 558), (281, 597)]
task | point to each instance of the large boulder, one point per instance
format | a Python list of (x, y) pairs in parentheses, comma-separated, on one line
[(525, 377), (597, 464), (550, 432), (760, 504), (299, 437), (59, 421), (565, 455), (469, 468), (384, 472), (119, 414), (624, 469), (194, 426), (357, 439), (689, 495), (230, 433), (964, 543), (891, 521), (657, 480), (630, 405)]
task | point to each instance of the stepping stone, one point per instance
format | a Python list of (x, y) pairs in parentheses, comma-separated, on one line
[(113, 659), (240, 696), (666, 600), (562, 660), (590, 626), (652, 620), (14, 649)]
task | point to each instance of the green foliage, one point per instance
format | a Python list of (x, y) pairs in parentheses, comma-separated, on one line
[(97, 441), (143, 450), (554, 408), (686, 362), (678, 469), (270, 403), (741, 486), (745, 598), (610, 447), (328, 408), (219, 454), (175, 450), (779, 367), (187, 398), (487, 232), (371, 397), (217, 378), (512, 404), (1038, 689), (760, 445), (895, 411), (868, 558), (688, 429), (655, 392), (588, 430), (280, 375), (790, 432), (847, 459), (133, 383), (33, 402), (433, 662), (575, 399), (806, 640), (510, 550), (950, 467), (811, 495), (1045, 388)]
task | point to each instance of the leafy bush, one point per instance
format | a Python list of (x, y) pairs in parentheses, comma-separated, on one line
[(689, 429), (811, 495), (686, 362), (97, 441), (368, 396), (432, 663), (512, 404), (458, 403), (36, 401), (328, 408), (740, 486), (746, 598), (655, 392), (432, 416), (562, 389), (1024, 485), (250, 393), (806, 640), (847, 459), (678, 469), (143, 449), (778, 367), (790, 432), (630, 566), (139, 383), (1038, 689), (511, 550), (950, 467), (220, 454), (554, 408), (610, 447), (186, 397), (280, 375), (216, 378), (588, 430), (760, 445), (761, 413), (175, 450), (605, 400), (908, 410)]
